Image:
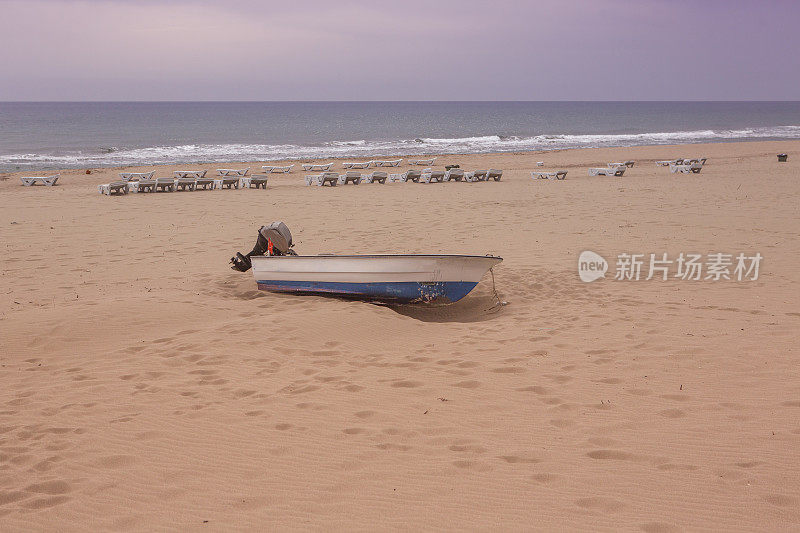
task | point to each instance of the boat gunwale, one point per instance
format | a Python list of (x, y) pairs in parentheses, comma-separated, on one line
[(372, 256)]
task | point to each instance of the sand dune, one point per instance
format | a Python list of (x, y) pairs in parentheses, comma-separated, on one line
[(147, 386)]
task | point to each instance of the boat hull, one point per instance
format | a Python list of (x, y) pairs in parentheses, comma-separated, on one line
[(433, 279)]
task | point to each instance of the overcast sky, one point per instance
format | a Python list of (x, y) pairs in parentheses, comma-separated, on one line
[(400, 50)]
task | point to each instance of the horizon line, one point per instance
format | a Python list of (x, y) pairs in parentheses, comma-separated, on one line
[(377, 101)]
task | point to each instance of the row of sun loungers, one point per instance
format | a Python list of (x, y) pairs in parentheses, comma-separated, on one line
[(47, 181), (427, 175), (324, 167), (552, 175), (666, 163), (185, 181), (684, 166), (613, 169)]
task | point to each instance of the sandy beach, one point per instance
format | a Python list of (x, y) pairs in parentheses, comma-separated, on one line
[(147, 386)]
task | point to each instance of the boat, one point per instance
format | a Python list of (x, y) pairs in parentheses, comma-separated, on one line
[(430, 279)]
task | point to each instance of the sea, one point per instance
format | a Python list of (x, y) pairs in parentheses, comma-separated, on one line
[(56, 135)]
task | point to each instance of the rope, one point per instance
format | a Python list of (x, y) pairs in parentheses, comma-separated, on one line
[(500, 303)]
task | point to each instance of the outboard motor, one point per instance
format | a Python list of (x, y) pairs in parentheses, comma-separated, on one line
[(273, 239)]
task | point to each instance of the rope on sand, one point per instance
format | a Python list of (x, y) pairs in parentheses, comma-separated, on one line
[(500, 303)]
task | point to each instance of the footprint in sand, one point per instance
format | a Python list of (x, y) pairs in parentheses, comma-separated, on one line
[(514, 459), (781, 500), (472, 465), (600, 503), (615, 455), (672, 413), (50, 487), (406, 384), (658, 527)]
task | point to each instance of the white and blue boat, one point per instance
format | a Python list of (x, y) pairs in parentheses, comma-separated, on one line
[(432, 279)]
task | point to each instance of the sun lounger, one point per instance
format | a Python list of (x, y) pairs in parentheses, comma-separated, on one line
[(353, 164), (454, 174), (48, 181), (554, 175), (143, 185), (409, 175), (628, 164), (494, 174), (476, 175), (694, 168), (393, 163), (184, 184), (540, 163), (113, 188), (616, 170), (196, 174), (277, 170), (669, 162), (428, 175), (233, 171), (230, 182), (205, 183), (255, 181), (378, 176), (136, 176), (165, 184), (331, 178), (701, 161), (317, 166), (426, 162), (351, 176)]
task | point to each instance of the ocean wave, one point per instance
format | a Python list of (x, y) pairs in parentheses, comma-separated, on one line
[(220, 153)]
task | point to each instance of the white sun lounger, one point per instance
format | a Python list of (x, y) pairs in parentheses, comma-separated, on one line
[(331, 178), (428, 175), (494, 174), (136, 176), (355, 164), (378, 176), (554, 175), (454, 174), (189, 174), (277, 170), (233, 171), (230, 182), (167, 184), (254, 181), (476, 175), (205, 183), (694, 168), (184, 184), (667, 163), (701, 161), (628, 164), (393, 163), (116, 187), (540, 163), (426, 162), (408, 175), (351, 176), (317, 166), (617, 170), (48, 181), (143, 185)]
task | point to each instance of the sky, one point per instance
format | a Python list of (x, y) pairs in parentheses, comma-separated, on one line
[(126, 50)]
